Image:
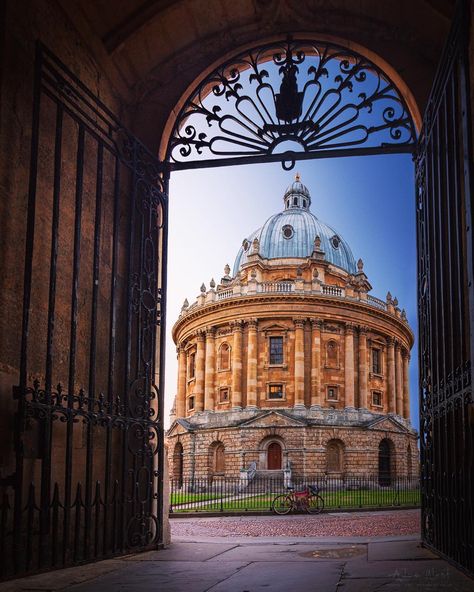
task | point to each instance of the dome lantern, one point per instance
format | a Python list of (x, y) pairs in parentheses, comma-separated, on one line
[(297, 195)]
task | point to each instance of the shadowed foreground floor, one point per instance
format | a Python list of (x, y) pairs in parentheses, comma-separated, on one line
[(239, 563)]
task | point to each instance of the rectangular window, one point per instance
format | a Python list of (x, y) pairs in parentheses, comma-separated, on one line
[(192, 366), (376, 361), (275, 391), (377, 398), (276, 350), (224, 395), (191, 403), (332, 393)]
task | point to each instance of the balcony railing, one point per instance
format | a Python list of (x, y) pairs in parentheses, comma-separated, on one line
[(279, 287), (332, 290)]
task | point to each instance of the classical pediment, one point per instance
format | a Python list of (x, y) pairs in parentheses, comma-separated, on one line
[(388, 424), (179, 426), (272, 418), (273, 327)]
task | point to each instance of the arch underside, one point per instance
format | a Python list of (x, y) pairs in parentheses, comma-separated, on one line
[(291, 100)]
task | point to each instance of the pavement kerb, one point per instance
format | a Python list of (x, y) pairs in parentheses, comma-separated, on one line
[(218, 514)]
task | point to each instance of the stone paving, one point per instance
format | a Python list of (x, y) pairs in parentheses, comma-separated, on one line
[(268, 563)]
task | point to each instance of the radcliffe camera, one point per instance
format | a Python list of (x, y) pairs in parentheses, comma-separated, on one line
[(236, 295)]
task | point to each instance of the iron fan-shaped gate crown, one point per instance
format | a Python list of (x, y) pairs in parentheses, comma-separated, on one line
[(289, 100)]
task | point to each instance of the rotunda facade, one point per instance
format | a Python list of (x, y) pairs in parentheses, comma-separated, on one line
[(290, 364)]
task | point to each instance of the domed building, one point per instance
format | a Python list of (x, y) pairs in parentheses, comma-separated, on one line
[(290, 364)]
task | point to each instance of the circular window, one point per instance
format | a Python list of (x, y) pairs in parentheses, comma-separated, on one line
[(335, 241), (288, 231), (245, 245)]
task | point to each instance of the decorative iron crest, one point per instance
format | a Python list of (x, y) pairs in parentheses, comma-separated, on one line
[(316, 97)]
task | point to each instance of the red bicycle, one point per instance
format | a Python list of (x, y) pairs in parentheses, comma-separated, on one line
[(307, 499)]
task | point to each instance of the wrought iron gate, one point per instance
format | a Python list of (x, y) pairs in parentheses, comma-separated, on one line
[(88, 482), (446, 301)]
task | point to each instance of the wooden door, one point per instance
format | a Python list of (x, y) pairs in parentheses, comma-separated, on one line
[(274, 457)]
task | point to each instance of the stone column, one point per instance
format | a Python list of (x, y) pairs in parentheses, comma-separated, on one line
[(406, 384), (199, 386), (398, 380), (252, 364), (299, 362), (181, 392), (391, 394), (237, 365), (210, 368), (363, 384), (316, 363), (349, 366)]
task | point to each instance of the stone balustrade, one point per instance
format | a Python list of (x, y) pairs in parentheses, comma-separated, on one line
[(291, 287)]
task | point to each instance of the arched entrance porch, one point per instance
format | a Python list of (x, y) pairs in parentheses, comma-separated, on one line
[(429, 229)]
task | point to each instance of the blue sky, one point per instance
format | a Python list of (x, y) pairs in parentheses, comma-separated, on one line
[(368, 200)]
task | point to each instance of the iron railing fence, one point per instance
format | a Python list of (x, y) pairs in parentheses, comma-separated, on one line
[(226, 494)]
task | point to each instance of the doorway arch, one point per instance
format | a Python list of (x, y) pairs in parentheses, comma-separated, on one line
[(274, 456)]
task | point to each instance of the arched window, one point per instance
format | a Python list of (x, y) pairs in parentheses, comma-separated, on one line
[(224, 357), (334, 456), (385, 463), (178, 464), (332, 354), (219, 459)]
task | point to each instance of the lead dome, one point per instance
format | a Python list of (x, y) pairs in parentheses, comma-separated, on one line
[(291, 234)]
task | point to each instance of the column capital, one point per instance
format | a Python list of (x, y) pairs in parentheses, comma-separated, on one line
[(236, 325), (252, 324), (406, 354), (299, 323), (390, 341), (200, 335), (363, 330), (349, 328), (316, 323), (210, 331), (398, 345)]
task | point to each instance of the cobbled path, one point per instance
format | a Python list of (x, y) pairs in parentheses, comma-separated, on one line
[(363, 524)]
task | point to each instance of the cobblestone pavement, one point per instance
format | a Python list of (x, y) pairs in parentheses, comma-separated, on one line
[(351, 524)]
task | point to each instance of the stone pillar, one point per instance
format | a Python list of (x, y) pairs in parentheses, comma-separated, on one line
[(252, 364), (181, 392), (406, 384), (237, 365), (398, 380), (391, 394), (210, 368), (349, 366), (199, 386), (363, 385), (316, 363), (299, 362)]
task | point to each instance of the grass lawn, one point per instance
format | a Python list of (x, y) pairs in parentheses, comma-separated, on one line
[(337, 499)]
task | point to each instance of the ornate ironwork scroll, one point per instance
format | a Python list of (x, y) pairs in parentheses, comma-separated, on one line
[(289, 100), (90, 416), (446, 300)]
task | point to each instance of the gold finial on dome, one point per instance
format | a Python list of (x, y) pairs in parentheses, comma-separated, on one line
[(297, 177)]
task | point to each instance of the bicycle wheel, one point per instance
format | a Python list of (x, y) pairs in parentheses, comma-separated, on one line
[(282, 504), (315, 504)]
